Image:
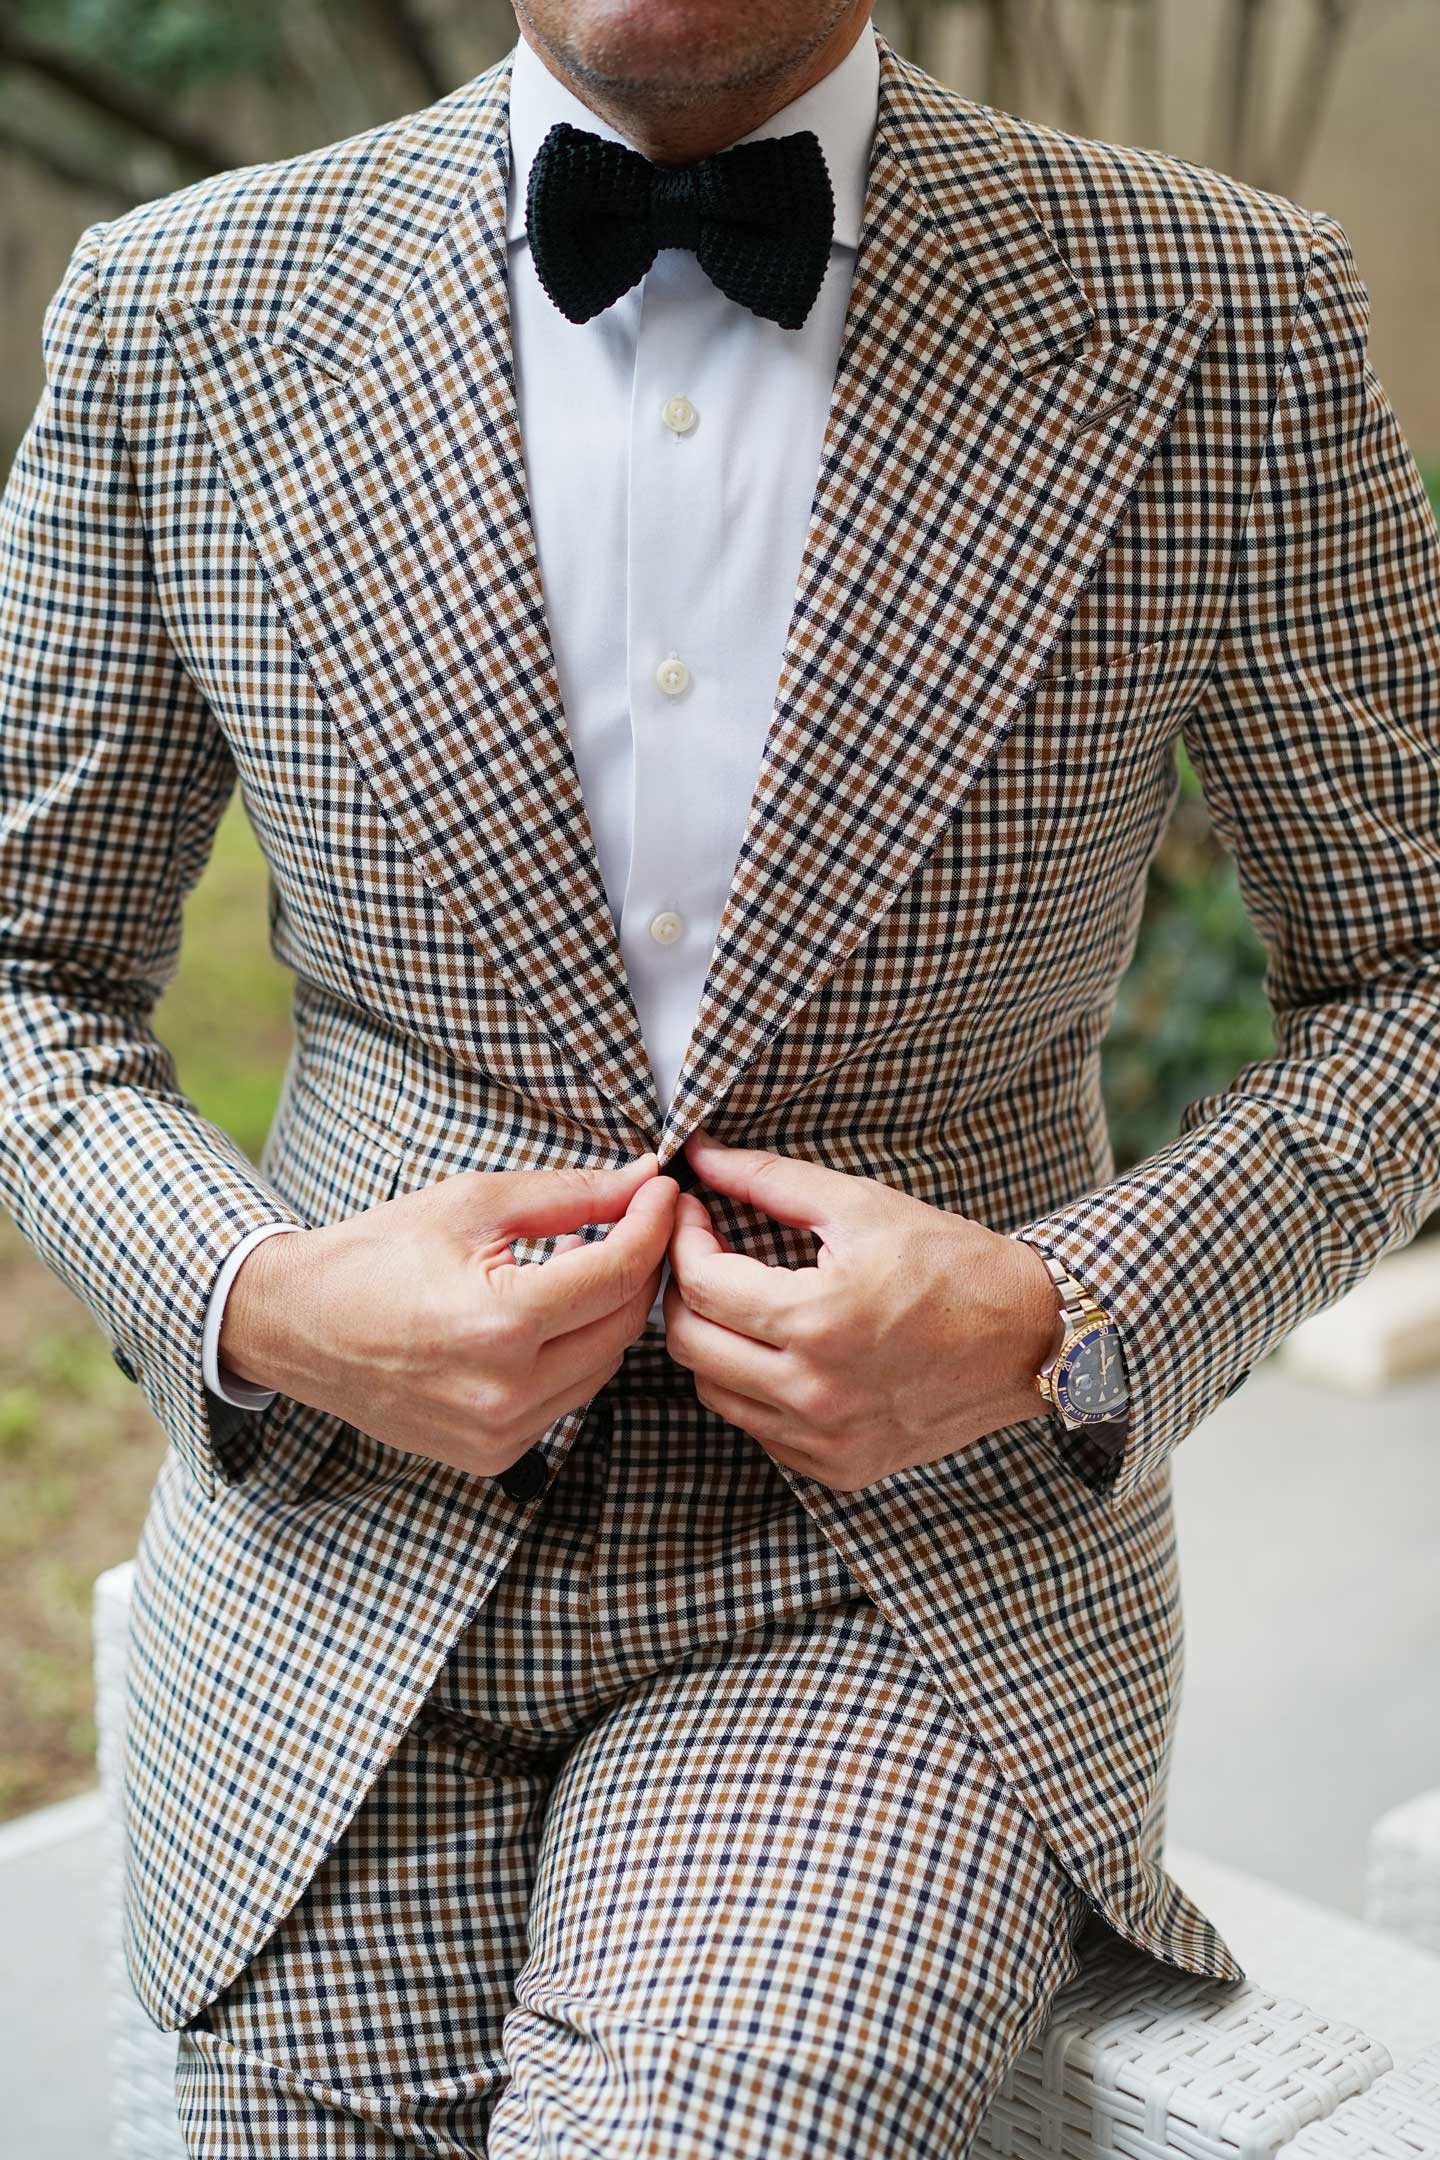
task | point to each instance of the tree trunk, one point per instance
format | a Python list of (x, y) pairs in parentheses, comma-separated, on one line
[(1237, 91), (1001, 60), (114, 98), (1147, 74), (1330, 24)]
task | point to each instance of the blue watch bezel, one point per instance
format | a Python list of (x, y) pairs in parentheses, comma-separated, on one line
[(1060, 1372)]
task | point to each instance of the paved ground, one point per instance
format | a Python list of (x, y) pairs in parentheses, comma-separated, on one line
[(1309, 1525), (52, 1998)]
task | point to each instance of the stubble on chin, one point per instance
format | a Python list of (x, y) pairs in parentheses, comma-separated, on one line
[(737, 53)]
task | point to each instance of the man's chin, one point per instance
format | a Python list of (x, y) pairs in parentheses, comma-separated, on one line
[(670, 56)]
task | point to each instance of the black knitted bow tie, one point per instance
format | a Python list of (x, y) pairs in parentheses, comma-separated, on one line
[(758, 215)]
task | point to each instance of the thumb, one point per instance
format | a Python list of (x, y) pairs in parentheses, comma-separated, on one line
[(538, 1203)]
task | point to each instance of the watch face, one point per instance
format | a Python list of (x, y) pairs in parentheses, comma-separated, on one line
[(1090, 1375)]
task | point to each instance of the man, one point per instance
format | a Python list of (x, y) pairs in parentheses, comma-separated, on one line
[(700, 547)]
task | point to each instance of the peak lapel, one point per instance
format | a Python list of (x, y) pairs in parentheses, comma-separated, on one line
[(980, 451), (373, 453)]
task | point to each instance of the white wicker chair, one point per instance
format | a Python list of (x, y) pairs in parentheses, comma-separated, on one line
[(1397, 2119), (1135, 2062), (1144, 2062), (143, 2125), (1402, 1876)]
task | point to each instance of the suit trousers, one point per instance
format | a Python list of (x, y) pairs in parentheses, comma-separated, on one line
[(684, 1855)]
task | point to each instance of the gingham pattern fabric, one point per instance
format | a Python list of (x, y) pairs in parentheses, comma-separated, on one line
[(1105, 466), (683, 1855)]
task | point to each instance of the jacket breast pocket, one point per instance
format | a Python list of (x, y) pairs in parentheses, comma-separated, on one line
[(1085, 743), (1082, 692)]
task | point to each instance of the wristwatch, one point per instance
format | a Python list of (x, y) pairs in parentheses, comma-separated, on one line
[(1084, 1383)]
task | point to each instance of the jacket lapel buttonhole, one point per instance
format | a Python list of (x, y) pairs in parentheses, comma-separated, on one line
[(1098, 414)]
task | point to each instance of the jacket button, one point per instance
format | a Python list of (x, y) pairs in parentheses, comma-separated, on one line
[(124, 1364), (525, 1478)]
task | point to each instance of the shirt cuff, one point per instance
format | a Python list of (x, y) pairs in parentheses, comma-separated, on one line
[(218, 1379)]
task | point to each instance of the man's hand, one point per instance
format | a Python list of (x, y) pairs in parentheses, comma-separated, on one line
[(414, 1322), (916, 1332)]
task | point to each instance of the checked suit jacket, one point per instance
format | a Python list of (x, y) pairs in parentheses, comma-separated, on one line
[(1106, 471)]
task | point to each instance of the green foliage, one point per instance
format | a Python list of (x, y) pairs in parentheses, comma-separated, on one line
[(1192, 1008), (37, 1505), (78, 1451), (66, 1364), (226, 1017), (21, 1412), (162, 45)]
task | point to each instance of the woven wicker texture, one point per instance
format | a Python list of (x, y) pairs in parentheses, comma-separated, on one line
[(1140, 2062), (143, 2123), (1397, 2119), (1402, 1880)]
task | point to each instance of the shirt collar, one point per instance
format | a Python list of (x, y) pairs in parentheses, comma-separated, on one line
[(841, 108)]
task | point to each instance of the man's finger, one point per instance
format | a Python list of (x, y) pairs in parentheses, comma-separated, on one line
[(538, 1203), (730, 1288), (783, 1186), (729, 1358), (575, 1287), (569, 1360), (773, 1430)]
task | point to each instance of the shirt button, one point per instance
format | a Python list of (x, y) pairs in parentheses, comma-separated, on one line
[(679, 415), (526, 1477), (673, 676), (666, 926)]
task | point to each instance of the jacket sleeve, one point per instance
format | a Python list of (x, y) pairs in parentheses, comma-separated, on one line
[(1317, 744), (113, 777)]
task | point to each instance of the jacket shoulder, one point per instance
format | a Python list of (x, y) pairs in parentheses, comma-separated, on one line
[(1145, 231), (245, 241)]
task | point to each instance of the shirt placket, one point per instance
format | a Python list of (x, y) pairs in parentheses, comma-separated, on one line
[(674, 656)]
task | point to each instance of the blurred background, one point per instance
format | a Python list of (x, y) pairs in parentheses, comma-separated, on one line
[(105, 103)]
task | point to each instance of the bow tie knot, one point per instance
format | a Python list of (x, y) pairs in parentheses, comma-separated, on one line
[(759, 218), (674, 207)]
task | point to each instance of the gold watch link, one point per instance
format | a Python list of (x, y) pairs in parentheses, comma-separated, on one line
[(1082, 1314)]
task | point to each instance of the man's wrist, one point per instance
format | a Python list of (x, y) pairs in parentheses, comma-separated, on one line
[(1034, 1328), (252, 1343), (1075, 1303), (1040, 1325), (220, 1384)]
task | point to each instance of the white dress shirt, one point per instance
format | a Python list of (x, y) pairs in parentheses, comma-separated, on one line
[(672, 449)]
